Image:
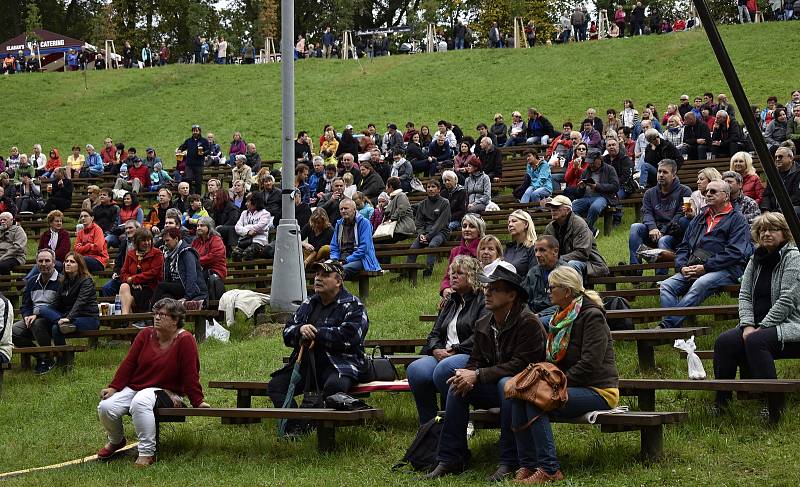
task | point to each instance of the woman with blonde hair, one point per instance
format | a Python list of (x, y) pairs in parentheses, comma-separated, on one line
[(742, 162), (519, 251), (579, 344), (490, 253), (704, 176), (769, 308), (316, 237), (450, 341)]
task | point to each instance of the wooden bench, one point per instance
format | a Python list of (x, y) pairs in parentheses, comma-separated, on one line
[(649, 424), (65, 353), (198, 317), (327, 420), (775, 390), (125, 334)]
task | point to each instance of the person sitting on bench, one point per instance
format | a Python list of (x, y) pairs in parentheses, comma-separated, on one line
[(505, 341), (579, 343), (331, 325), (431, 221), (535, 282), (6, 326), (575, 240), (162, 366), (769, 308), (183, 274), (663, 222), (597, 189), (41, 290), (789, 171), (450, 340), (142, 270), (713, 253), (352, 241), (75, 307)]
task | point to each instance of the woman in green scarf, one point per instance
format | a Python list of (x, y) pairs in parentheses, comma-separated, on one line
[(579, 343)]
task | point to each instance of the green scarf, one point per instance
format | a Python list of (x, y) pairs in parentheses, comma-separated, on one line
[(560, 329)]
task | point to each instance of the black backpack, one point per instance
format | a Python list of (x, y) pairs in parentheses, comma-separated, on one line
[(617, 303), (421, 455)]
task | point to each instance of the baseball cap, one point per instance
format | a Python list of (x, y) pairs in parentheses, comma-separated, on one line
[(150, 149), (329, 265), (348, 127), (560, 200), (392, 126)]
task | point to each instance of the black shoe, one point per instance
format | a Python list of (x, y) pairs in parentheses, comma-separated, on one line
[(443, 469), (45, 366), (503, 472)]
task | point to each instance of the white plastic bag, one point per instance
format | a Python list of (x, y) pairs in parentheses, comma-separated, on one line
[(215, 330), (696, 370)]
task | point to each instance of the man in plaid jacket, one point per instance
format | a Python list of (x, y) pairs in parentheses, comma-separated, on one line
[(331, 326)]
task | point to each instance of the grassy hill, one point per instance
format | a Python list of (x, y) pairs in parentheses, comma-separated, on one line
[(157, 106), (52, 418)]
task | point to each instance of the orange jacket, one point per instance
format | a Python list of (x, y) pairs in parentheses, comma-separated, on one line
[(90, 242)]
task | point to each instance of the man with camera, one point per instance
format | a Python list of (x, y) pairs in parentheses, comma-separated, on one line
[(663, 221), (713, 254), (598, 188)]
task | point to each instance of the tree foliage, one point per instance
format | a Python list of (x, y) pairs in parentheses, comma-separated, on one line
[(504, 11)]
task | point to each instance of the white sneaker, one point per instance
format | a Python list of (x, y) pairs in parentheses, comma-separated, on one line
[(470, 430), (140, 324)]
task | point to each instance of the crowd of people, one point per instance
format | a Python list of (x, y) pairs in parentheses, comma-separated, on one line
[(502, 306)]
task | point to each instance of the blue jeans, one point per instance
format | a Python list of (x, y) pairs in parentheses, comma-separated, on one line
[(459, 43), (579, 266), (535, 444), (533, 195), (558, 179), (694, 292), (644, 174), (517, 140), (590, 207), (427, 378), (453, 442), (111, 288), (640, 234), (353, 268), (424, 166), (93, 264), (81, 322), (112, 240), (454, 225), (434, 242)]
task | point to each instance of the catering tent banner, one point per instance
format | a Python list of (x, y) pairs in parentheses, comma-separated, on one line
[(49, 43)]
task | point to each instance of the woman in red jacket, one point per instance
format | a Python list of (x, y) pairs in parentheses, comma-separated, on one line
[(161, 367), (141, 273), (742, 162), (574, 171), (91, 243), (211, 248)]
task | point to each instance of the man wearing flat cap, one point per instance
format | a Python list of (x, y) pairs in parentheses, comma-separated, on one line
[(576, 242), (331, 324), (506, 340)]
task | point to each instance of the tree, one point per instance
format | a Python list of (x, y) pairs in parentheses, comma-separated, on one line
[(33, 19), (542, 12)]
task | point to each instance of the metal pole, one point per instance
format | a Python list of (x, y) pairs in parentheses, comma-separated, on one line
[(746, 113), (288, 271)]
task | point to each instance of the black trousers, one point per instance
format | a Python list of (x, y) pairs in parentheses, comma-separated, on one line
[(7, 265), (167, 289), (754, 357), (328, 380), (194, 176)]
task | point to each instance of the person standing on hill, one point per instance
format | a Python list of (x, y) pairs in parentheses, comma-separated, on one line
[(196, 148)]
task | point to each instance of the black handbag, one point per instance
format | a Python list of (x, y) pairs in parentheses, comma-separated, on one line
[(379, 368), (345, 402), (698, 257), (244, 242)]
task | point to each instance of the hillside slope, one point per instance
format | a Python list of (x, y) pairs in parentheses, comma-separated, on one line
[(157, 106)]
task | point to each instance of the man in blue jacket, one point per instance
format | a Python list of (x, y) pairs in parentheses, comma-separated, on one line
[(663, 222), (713, 254), (352, 241)]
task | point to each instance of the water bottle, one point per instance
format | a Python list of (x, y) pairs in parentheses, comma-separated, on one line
[(117, 306)]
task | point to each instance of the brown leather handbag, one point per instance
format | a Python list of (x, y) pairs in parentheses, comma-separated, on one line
[(542, 384)]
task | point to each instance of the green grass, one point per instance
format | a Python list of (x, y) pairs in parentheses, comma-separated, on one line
[(51, 419)]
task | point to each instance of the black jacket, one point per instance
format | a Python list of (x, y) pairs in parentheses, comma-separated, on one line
[(195, 157), (273, 204), (106, 216), (458, 201), (699, 130), (76, 297), (726, 135), (607, 184), (791, 181), (472, 309), (590, 360), (62, 192), (492, 163), (622, 164), (520, 256), (432, 217), (499, 353), (227, 216), (414, 152), (664, 150), (372, 186)]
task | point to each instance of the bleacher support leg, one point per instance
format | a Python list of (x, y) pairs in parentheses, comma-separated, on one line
[(326, 437), (652, 442)]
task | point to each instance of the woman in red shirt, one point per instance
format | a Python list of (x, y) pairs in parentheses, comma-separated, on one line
[(574, 171), (742, 162), (57, 238), (141, 273), (91, 243), (161, 367)]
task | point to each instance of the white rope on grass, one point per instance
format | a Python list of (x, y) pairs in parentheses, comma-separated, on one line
[(78, 461)]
